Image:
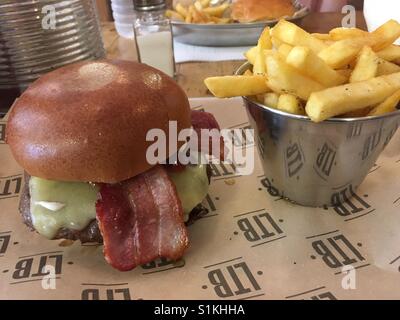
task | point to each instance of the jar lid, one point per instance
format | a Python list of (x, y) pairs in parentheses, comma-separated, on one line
[(149, 5)]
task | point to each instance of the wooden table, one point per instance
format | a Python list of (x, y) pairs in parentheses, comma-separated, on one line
[(192, 74)]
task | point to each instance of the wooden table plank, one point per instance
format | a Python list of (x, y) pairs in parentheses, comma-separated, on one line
[(192, 74)]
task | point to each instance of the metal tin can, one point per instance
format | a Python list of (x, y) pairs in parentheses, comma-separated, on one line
[(317, 164), (38, 36)]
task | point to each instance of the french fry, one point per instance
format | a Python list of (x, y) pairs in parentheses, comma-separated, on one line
[(346, 33), (386, 67), (181, 10), (308, 63), (276, 43), (334, 101), (205, 3), (220, 20), (272, 52), (329, 42), (173, 15), (344, 51), (206, 17), (321, 36), (291, 34), (198, 6), (390, 53), (217, 11), (271, 99), (264, 42), (233, 86), (285, 49), (385, 35), (345, 73), (248, 72), (259, 67), (196, 16), (389, 105), (291, 104), (251, 54), (283, 78), (259, 98), (366, 67), (200, 12), (199, 16), (189, 17)]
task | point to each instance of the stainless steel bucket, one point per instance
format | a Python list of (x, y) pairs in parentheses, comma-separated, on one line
[(37, 36), (317, 164)]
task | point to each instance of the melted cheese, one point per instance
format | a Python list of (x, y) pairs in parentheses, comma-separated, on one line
[(191, 185), (56, 205), (76, 205)]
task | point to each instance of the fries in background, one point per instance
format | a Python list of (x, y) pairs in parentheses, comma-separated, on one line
[(346, 72), (181, 10), (201, 12)]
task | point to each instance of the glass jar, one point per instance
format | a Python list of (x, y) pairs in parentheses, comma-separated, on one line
[(153, 35), (38, 36)]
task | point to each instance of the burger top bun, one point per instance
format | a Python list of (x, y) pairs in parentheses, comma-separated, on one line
[(256, 10), (88, 121)]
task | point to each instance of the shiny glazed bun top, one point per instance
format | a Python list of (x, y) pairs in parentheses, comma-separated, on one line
[(256, 10), (88, 121)]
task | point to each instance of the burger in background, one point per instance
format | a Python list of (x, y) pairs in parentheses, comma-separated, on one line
[(246, 11)]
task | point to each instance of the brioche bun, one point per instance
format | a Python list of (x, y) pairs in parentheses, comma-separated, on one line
[(257, 10), (88, 121)]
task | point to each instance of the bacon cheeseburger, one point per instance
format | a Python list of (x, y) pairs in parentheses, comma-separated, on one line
[(80, 134)]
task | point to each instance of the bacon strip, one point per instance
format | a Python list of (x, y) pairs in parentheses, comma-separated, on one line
[(205, 120), (141, 219)]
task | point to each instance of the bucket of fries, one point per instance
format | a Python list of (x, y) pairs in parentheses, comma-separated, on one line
[(323, 107)]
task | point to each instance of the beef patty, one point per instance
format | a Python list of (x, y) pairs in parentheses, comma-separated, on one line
[(92, 232)]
